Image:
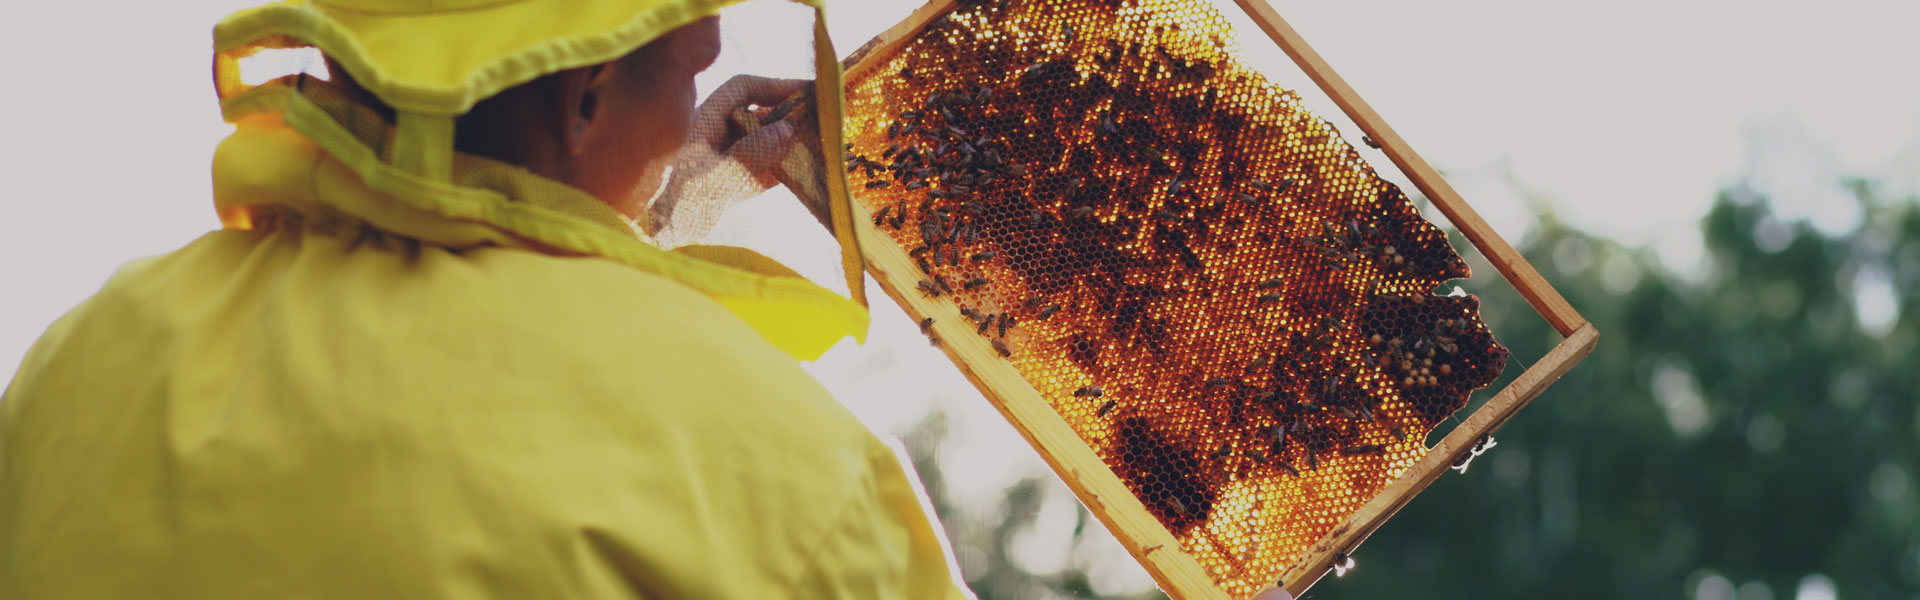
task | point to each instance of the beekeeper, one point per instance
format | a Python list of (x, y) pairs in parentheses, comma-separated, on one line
[(429, 354)]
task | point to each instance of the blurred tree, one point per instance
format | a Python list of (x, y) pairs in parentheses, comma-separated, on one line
[(1735, 436), (1748, 428)]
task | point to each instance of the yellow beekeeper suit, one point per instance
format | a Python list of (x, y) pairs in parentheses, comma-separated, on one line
[(398, 372)]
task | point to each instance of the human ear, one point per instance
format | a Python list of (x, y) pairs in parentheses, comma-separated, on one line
[(581, 95)]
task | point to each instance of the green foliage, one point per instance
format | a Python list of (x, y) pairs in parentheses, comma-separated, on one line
[(1743, 425)]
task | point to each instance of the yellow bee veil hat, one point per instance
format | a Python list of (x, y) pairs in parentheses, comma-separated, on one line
[(432, 60)]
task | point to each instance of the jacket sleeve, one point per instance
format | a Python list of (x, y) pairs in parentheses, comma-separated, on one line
[(884, 545)]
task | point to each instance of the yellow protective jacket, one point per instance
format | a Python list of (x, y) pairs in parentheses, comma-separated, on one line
[(349, 394)]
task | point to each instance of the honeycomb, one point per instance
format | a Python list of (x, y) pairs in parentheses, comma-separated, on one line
[(1204, 280)]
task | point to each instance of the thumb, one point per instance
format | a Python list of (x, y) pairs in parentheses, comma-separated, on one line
[(1273, 594), (762, 151)]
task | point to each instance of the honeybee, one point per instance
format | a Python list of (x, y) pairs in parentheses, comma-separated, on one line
[(1370, 141), (1287, 466), (1361, 449), (1049, 310), (1177, 506), (1105, 408), (1092, 391), (1485, 443), (1259, 361), (926, 325), (1001, 347), (975, 282)]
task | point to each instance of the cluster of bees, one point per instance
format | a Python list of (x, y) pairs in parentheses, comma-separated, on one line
[(931, 152), (1230, 299)]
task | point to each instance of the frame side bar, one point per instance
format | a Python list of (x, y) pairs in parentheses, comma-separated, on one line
[(883, 45), (1440, 458), (1537, 291)]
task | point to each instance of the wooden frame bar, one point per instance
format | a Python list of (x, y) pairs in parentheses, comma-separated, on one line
[(1496, 412), (884, 44), (1089, 477), (1508, 261), (1097, 487), (1580, 335)]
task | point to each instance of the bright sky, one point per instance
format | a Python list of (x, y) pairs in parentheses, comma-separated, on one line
[(1623, 117)]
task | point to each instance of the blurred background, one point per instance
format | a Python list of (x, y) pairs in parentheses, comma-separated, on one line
[(1729, 191)]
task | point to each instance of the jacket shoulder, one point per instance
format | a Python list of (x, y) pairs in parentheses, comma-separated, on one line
[(418, 422)]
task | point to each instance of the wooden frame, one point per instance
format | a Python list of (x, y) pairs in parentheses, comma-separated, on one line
[(1103, 493)]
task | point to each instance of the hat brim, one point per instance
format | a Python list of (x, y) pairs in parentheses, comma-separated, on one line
[(441, 63)]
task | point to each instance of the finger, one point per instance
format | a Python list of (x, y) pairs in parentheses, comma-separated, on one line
[(768, 91), (710, 120), (1274, 594), (761, 151)]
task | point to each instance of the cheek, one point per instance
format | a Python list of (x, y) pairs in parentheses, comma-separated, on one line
[(659, 126), (704, 43)]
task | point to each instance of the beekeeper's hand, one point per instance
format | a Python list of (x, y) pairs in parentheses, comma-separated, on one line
[(1273, 594), (720, 164)]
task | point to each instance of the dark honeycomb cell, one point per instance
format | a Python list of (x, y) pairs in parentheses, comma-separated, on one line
[(1168, 474), (1117, 204)]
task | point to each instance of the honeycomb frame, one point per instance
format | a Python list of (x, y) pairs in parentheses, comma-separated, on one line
[(1143, 530)]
